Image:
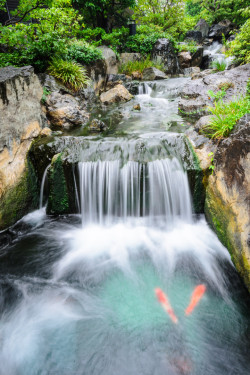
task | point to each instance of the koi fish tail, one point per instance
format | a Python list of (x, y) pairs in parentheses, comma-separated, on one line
[(195, 298)]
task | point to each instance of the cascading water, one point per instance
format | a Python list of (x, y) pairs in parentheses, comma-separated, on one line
[(79, 298)]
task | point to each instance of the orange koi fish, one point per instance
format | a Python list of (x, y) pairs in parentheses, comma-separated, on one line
[(196, 296), (162, 298)]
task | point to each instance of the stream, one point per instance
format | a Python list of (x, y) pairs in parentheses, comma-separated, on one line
[(77, 293)]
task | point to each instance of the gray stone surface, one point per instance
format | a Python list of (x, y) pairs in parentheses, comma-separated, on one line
[(164, 54), (110, 59), (194, 95), (127, 57), (203, 27), (151, 74)]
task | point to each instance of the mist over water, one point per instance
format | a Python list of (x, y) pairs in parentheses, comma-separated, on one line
[(77, 293)]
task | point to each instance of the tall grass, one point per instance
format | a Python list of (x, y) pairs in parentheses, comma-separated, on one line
[(226, 116), (70, 73), (219, 66), (138, 66)]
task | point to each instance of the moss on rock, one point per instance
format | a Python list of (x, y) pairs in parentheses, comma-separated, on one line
[(58, 202), (20, 199)]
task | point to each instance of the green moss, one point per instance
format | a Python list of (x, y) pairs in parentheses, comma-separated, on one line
[(222, 219), (20, 199), (58, 194)]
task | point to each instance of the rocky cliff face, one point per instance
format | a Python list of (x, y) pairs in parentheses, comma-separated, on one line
[(20, 123)]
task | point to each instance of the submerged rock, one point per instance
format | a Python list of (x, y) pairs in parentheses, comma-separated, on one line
[(117, 94), (137, 107), (97, 125), (151, 74)]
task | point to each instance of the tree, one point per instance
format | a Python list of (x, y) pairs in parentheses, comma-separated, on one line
[(104, 13), (38, 30)]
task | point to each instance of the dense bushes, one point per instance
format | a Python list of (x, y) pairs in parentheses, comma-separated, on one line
[(240, 47), (83, 53)]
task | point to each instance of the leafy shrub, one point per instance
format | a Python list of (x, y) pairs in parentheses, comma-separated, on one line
[(216, 96), (219, 65), (70, 73), (138, 66), (189, 46), (117, 39), (226, 116), (83, 53), (240, 46), (93, 36), (225, 86), (248, 89)]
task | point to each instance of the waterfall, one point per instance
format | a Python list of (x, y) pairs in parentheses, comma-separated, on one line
[(155, 189), (42, 187)]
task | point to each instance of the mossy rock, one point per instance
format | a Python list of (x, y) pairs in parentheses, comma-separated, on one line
[(20, 199)]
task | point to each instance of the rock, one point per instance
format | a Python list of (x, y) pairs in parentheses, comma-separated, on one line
[(227, 206), (97, 125), (127, 57), (45, 132), (110, 59), (117, 94), (65, 111), (133, 87), (194, 96), (194, 35), (202, 74), (111, 84), (164, 54), (197, 57), (184, 59), (223, 27), (151, 74), (203, 27), (191, 71), (201, 125), (20, 122), (137, 107), (117, 77), (137, 76), (97, 72)]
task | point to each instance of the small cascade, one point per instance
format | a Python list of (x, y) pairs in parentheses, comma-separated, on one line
[(42, 186), (214, 53), (157, 189)]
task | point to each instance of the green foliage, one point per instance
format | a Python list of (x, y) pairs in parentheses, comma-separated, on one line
[(70, 73), (217, 10), (190, 46), (240, 47), (193, 8), (216, 96), (138, 66), (46, 92), (248, 89), (53, 23), (83, 53), (117, 39), (211, 167), (226, 116), (93, 36), (224, 86), (219, 65), (104, 13)]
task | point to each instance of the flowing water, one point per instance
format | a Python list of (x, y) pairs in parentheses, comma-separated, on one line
[(77, 294)]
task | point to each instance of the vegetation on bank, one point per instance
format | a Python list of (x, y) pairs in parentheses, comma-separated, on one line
[(71, 29)]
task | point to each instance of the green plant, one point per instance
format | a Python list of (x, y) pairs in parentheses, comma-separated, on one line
[(219, 65), (70, 73), (83, 53), (138, 66), (190, 46), (46, 92), (240, 46), (216, 96), (211, 167), (248, 89), (225, 116)]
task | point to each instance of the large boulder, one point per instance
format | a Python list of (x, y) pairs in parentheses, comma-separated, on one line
[(184, 59), (127, 57), (223, 27), (97, 72), (110, 59), (133, 87), (65, 111), (118, 94), (194, 35), (197, 57), (21, 121), (203, 27), (191, 71), (151, 74), (164, 54), (227, 205), (194, 95)]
